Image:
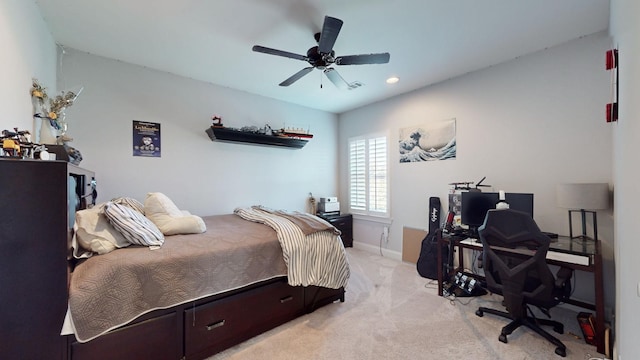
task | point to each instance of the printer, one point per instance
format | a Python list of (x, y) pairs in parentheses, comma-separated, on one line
[(329, 205)]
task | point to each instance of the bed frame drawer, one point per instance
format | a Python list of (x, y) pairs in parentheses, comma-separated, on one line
[(156, 339), (316, 297), (220, 324)]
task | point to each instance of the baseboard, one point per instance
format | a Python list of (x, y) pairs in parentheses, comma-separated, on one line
[(396, 255), (571, 307)]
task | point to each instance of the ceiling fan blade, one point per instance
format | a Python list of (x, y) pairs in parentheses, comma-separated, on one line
[(330, 30), (295, 77), (336, 79), (270, 51), (381, 58)]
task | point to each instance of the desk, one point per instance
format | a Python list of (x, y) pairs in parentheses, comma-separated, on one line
[(573, 254)]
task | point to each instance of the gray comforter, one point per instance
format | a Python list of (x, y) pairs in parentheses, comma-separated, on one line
[(110, 290)]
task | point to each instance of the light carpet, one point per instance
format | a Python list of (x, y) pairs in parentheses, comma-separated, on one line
[(390, 312)]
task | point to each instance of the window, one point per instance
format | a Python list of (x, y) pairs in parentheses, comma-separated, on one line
[(368, 177)]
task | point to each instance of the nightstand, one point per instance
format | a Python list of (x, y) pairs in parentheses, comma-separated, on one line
[(344, 223)]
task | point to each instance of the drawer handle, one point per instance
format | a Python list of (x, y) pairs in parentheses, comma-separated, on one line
[(215, 325), (287, 299)]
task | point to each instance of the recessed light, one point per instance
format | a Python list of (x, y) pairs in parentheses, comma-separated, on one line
[(393, 80)]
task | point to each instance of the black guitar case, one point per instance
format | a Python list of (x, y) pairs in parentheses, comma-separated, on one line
[(428, 260)]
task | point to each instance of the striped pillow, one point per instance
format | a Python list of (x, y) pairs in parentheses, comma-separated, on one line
[(130, 202), (133, 225)]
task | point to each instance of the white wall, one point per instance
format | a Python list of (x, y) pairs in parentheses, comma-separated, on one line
[(527, 125), (201, 176), (625, 29), (28, 51)]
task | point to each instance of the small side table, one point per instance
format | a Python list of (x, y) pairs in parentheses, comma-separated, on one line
[(344, 223)]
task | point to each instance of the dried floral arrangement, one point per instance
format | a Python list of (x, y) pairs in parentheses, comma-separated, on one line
[(56, 106)]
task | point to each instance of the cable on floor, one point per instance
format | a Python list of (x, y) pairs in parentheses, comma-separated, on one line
[(453, 299), (433, 284)]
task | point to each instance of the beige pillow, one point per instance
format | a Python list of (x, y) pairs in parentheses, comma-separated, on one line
[(94, 233), (168, 218)]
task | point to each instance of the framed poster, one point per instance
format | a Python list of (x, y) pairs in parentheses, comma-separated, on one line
[(430, 142), (146, 139)]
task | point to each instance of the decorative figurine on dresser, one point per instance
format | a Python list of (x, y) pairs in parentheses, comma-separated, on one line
[(39, 200)]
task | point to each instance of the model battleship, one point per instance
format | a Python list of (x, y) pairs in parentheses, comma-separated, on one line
[(292, 138)]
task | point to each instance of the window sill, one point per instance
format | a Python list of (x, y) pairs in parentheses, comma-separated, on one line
[(374, 219)]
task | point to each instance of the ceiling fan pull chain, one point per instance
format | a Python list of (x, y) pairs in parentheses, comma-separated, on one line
[(321, 80)]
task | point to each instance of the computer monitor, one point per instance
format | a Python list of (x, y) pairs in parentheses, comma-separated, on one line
[(475, 205)]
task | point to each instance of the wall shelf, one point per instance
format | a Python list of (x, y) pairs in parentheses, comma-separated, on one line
[(219, 133)]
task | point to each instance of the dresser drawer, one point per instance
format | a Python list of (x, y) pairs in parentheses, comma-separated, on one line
[(212, 327), (339, 222)]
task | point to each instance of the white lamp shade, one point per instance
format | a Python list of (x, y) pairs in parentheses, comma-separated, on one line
[(592, 196)]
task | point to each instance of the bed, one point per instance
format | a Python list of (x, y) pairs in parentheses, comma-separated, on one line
[(198, 294)]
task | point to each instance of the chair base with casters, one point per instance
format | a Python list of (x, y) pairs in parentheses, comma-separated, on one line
[(530, 322)]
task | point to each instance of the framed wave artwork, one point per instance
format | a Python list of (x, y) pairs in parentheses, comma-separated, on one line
[(429, 142)]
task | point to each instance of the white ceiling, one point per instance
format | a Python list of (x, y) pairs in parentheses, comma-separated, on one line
[(211, 40)]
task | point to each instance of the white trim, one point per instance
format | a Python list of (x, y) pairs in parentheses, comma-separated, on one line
[(373, 219)]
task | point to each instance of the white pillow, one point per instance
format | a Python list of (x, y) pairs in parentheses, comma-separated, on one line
[(94, 233), (133, 225), (169, 219)]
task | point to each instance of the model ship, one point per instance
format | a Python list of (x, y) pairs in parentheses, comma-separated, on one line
[(292, 138), (295, 133)]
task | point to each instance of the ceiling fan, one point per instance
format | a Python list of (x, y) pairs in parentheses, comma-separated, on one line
[(322, 56)]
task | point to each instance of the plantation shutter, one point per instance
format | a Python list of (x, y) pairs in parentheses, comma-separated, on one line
[(378, 175), (357, 175), (368, 176)]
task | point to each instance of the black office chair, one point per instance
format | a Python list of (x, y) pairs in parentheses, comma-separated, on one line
[(519, 273)]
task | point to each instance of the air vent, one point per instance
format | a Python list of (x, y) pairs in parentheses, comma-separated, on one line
[(355, 85)]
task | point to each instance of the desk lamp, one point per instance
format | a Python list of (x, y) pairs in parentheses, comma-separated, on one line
[(583, 198)]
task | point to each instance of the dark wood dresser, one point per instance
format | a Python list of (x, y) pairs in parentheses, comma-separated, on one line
[(344, 223), (34, 232)]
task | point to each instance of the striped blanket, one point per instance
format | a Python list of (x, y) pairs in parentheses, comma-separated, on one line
[(313, 257)]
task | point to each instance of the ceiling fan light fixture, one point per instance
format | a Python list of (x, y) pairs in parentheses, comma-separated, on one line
[(393, 80), (323, 56)]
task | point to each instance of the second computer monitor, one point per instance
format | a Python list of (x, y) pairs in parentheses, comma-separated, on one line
[(475, 205)]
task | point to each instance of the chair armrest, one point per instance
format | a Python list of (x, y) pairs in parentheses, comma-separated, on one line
[(563, 276)]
